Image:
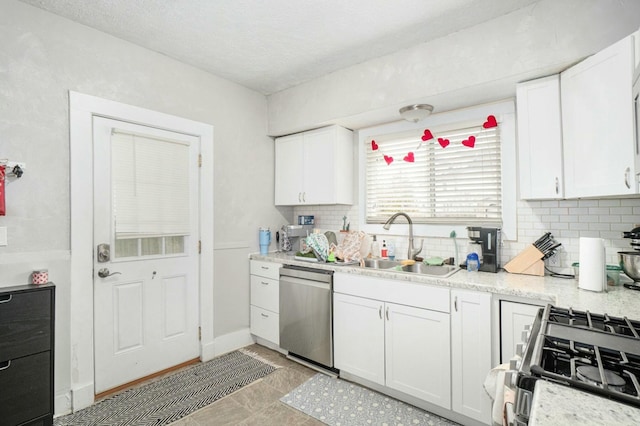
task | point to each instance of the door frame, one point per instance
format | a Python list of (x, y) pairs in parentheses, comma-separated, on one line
[(82, 109)]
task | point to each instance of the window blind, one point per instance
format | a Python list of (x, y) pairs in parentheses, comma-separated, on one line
[(150, 186), (456, 184)]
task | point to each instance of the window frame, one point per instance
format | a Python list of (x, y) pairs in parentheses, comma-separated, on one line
[(504, 111)]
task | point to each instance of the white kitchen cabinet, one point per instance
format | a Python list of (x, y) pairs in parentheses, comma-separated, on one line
[(381, 339), (597, 124), (470, 353), (513, 319), (540, 165), (314, 167), (265, 319)]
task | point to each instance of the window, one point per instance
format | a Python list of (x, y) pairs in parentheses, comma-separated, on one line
[(150, 184), (444, 187)]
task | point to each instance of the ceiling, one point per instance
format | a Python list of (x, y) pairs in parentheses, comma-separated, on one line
[(271, 45)]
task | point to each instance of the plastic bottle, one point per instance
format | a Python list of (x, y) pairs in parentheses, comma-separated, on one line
[(375, 248), (391, 250), (383, 252)]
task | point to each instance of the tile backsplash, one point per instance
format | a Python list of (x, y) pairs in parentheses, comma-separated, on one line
[(567, 220)]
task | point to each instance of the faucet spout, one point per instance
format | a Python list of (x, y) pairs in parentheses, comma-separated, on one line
[(412, 252)]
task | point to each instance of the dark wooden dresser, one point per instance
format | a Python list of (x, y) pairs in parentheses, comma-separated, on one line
[(27, 315)]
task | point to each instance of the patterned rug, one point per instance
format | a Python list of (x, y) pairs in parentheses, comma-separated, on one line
[(340, 403), (173, 397)]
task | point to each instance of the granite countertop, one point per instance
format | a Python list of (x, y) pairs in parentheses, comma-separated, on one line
[(555, 404), (617, 301)]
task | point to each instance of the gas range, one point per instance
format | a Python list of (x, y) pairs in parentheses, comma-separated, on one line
[(595, 353)]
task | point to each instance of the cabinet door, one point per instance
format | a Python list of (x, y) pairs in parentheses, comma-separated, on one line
[(289, 170), (358, 336), (597, 124), (319, 164), (418, 358), (540, 139), (513, 318), (470, 353)]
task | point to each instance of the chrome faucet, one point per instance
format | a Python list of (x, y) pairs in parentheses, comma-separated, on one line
[(412, 252)]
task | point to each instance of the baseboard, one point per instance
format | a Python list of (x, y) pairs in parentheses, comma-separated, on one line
[(82, 397), (62, 404), (232, 341)]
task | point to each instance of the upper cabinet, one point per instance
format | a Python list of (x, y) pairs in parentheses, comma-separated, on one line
[(540, 139), (314, 167), (597, 124)]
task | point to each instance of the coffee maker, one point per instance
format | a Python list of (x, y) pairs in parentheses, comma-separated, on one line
[(488, 240), (289, 236)]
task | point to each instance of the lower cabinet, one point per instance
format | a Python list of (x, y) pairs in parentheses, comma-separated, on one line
[(402, 347), (514, 317), (470, 353), (265, 293)]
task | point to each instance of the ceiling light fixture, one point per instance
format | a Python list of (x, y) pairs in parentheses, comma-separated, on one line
[(417, 112)]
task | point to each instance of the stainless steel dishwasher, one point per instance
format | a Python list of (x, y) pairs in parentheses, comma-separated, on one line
[(306, 314)]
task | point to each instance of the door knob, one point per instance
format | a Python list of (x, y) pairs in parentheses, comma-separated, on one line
[(104, 273)]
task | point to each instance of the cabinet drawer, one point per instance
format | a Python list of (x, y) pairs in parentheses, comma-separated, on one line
[(265, 293), (265, 324), (25, 388), (265, 269), (25, 323)]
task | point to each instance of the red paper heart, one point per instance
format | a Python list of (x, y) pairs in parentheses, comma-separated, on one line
[(388, 159), (443, 142), (409, 158), (427, 135), (374, 146), (491, 122), (471, 142)]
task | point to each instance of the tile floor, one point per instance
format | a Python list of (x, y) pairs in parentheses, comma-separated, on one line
[(258, 403)]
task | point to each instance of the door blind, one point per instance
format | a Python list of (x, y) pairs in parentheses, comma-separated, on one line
[(454, 184), (150, 186)]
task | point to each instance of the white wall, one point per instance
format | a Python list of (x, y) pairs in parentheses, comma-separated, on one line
[(473, 66), (42, 57)]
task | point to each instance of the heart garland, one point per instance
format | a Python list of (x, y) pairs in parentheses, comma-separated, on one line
[(470, 142)]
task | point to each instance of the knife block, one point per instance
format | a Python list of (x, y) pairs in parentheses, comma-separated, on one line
[(528, 261)]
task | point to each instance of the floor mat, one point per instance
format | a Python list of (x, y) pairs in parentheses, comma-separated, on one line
[(175, 396), (340, 403)]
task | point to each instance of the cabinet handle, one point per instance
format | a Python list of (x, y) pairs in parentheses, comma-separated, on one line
[(4, 367), (455, 303), (387, 313), (264, 283), (380, 311), (627, 172), (264, 315), (264, 267), (299, 197), (557, 186), (304, 195), (10, 296)]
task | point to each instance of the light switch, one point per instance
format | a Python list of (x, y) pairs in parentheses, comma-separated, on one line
[(3, 235)]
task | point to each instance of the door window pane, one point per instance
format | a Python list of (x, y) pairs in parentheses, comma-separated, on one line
[(150, 246), (126, 248), (174, 245)]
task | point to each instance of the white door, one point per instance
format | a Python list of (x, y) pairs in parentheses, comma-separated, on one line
[(146, 311)]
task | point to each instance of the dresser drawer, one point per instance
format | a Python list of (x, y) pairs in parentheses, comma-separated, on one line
[(265, 324), (25, 323), (265, 293), (25, 389), (265, 269)]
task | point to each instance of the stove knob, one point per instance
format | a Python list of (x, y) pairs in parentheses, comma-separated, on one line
[(514, 363), (510, 378), (520, 349), (527, 327), (525, 335)]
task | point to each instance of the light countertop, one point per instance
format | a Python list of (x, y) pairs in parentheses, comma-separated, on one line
[(616, 301), (555, 404)]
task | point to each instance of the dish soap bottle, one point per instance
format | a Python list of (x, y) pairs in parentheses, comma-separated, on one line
[(375, 248), (383, 252)]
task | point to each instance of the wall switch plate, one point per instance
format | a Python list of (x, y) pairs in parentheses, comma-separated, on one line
[(554, 260), (3, 235)]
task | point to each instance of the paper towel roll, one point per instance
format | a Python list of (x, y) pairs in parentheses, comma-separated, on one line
[(593, 266)]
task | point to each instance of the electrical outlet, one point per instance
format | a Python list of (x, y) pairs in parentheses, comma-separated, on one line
[(554, 260)]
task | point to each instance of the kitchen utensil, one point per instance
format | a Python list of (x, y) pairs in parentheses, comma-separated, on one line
[(630, 264)]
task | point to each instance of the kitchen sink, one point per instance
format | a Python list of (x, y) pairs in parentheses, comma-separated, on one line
[(442, 271)]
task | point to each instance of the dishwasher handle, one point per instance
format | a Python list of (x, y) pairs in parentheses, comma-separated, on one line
[(303, 282)]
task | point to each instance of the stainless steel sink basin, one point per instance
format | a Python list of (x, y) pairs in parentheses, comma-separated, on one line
[(381, 263), (417, 268), (436, 270)]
